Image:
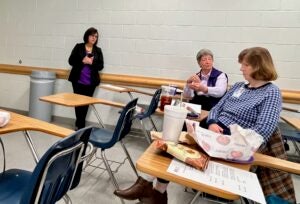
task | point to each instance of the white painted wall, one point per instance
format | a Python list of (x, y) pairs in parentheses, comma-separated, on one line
[(145, 37)]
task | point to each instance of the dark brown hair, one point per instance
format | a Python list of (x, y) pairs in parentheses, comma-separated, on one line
[(88, 32), (261, 61)]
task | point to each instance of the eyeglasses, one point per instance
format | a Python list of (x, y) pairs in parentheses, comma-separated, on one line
[(95, 36)]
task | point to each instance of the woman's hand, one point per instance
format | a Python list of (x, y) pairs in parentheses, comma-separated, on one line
[(215, 128), (198, 87), (87, 60), (194, 79), (194, 86)]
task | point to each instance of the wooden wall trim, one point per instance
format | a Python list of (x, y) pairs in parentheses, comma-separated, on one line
[(128, 80), (289, 96)]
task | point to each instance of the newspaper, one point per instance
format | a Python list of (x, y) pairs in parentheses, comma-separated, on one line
[(239, 146)]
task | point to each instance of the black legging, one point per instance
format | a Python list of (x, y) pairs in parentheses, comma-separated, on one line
[(81, 111)]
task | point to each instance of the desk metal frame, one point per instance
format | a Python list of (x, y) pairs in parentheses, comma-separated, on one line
[(24, 124), (75, 100)]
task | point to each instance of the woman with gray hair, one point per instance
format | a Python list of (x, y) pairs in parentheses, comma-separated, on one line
[(209, 84)]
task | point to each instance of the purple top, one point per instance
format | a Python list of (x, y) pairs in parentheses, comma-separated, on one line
[(85, 76)]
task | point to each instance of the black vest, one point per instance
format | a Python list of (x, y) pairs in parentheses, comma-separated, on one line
[(207, 102)]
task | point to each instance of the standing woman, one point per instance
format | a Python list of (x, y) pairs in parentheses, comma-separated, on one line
[(86, 60)]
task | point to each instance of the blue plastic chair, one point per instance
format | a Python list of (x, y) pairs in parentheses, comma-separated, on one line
[(291, 134), (56, 172), (147, 114), (104, 138)]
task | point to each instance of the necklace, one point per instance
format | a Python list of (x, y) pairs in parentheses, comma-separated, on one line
[(88, 48)]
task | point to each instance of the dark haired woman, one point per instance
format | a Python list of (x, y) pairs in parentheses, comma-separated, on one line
[(86, 60)]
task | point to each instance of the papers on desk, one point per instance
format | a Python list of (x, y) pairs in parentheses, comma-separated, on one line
[(109, 86), (224, 177)]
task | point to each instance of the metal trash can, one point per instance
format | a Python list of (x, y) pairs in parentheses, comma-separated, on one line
[(41, 84)]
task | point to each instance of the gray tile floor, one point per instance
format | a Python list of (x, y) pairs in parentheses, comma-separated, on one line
[(95, 186)]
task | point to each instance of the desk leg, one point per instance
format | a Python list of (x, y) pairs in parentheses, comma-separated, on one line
[(97, 115), (130, 95), (31, 146), (3, 152)]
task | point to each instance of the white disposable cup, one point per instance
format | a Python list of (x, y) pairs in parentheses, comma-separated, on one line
[(4, 118), (174, 117)]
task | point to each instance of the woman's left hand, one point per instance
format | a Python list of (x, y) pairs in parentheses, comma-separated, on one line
[(198, 87), (215, 128)]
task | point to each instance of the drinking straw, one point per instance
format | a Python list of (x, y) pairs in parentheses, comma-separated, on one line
[(181, 95)]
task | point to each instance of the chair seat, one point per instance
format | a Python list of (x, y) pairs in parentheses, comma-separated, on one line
[(10, 192), (141, 112), (101, 138), (141, 116)]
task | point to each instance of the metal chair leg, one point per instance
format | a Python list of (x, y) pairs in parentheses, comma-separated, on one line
[(153, 124), (89, 157), (109, 170), (147, 135), (67, 199), (195, 197), (129, 158), (296, 147), (111, 175)]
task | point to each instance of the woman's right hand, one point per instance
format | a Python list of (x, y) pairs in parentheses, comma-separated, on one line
[(215, 128), (87, 60)]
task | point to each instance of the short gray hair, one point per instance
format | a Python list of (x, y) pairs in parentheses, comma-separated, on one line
[(203, 52)]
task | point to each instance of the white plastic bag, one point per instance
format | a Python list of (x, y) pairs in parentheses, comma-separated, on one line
[(4, 118), (239, 146), (188, 92)]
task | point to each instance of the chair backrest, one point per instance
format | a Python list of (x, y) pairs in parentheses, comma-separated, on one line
[(54, 174), (153, 104), (123, 125)]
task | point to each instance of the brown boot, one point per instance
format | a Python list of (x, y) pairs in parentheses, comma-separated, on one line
[(141, 188), (155, 198)]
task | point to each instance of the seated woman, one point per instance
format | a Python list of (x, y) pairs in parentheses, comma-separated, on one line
[(209, 84), (255, 104)]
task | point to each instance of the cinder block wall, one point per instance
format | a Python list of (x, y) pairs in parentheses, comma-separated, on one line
[(141, 37)]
